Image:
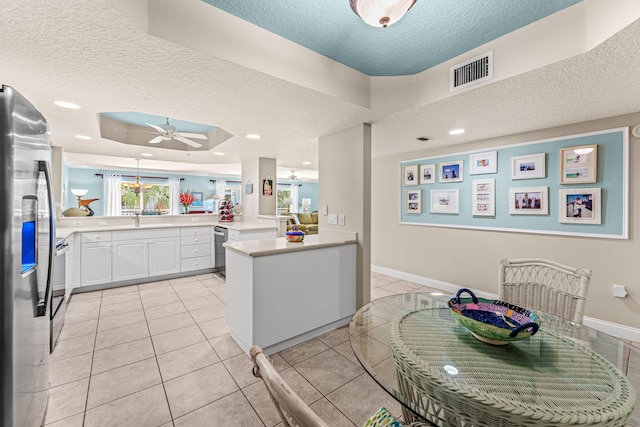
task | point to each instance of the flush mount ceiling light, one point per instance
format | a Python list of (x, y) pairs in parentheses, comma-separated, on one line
[(66, 104), (253, 136), (218, 153), (83, 137), (381, 13), (456, 131)]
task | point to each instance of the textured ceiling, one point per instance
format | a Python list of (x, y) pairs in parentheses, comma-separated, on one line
[(432, 32), (96, 55)]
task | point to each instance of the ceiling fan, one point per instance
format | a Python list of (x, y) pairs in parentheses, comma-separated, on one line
[(292, 177), (168, 132)]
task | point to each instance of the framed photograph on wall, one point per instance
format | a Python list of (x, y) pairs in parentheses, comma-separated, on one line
[(451, 171), (580, 205), (483, 201), (578, 165), (413, 202), (410, 175), (427, 174), (528, 167), (444, 201), (481, 163), (197, 199), (529, 201)]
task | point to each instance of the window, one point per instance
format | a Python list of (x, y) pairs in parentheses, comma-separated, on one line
[(152, 199), (284, 198)]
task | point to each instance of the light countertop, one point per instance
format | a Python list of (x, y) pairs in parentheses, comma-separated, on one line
[(280, 245), (64, 232)]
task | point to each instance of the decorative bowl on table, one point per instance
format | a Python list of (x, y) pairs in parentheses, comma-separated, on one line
[(295, 236), (493, 321)]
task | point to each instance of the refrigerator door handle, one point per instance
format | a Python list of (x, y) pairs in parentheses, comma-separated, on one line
[(43, 166)]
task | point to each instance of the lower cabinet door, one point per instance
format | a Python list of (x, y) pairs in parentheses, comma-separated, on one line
[(130, 260), (95, 259), (164, 256)]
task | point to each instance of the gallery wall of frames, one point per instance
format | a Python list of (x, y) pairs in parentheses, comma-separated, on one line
[(572, 185)]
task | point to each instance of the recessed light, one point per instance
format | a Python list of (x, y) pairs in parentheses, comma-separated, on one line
[(66, 104), (218, 153), (456, 131), (306, 163), (253, 136), (146, 154), (82, 136)]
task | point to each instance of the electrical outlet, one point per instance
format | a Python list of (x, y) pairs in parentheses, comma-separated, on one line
[(195, 219), (325, 210), (77, 223), (103, 223), (333, 219), (341, 219)]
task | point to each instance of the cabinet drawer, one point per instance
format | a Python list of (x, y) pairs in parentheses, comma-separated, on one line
[(197, 263), (193, 251), (102, 236), (233, 234), (195, 231), (195, 240)]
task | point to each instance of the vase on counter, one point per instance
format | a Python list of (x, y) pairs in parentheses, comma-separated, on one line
[(185, 208)]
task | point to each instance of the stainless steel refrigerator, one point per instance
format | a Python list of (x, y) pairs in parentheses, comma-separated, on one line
[(27, 223)]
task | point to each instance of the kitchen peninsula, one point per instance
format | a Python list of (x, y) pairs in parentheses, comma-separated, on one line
[(281, 293), (105, 252)]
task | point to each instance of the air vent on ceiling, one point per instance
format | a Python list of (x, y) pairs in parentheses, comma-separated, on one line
[(471, 72)]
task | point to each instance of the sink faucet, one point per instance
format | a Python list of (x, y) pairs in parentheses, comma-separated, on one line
[(136, 218)]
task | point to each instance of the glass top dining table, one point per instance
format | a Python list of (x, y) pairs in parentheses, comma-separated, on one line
[(566, 374)]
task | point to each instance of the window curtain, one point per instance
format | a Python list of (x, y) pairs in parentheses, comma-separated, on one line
[(294, 197), (113, 192), (221, 187), (174, 196)]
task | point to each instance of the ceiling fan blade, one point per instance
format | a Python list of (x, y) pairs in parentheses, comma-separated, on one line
[(187, 141), (158, 128), (156, 140), (192, 135), (139, 131)]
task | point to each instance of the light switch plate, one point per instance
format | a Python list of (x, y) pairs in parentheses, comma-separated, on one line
[(333, 219), (325, 210), (195, 219)]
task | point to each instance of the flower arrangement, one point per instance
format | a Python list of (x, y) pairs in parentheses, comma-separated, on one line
[(186, 199)]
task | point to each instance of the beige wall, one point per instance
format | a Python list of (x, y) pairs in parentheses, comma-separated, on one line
[(469, 258), (344, 186)]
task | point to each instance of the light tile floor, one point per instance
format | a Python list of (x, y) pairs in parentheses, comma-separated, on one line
[(160, 354)]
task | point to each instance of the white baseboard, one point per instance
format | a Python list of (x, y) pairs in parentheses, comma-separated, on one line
[(615, 329)]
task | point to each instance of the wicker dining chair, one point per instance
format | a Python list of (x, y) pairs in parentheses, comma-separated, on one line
[(291, 408), (546, 286)]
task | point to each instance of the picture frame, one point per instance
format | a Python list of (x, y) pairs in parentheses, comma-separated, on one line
[(413, 202), (267, 187), (483, 201), (483, 163), (451, 171), (578, 165), (410, 175), (529, 166), (580, 205), (197, 199), (428, 174), (529, 201), (444, 201)]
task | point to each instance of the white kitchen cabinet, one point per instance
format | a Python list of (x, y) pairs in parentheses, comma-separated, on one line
[(130, 260), (164, 256), (195, 248), (95, 261)]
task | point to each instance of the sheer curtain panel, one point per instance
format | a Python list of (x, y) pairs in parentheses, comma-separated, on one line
[(113, 191), (174, 196)]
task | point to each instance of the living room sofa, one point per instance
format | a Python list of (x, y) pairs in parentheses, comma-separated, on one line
[(305, 222)]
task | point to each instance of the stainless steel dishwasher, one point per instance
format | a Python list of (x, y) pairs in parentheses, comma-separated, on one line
[(220, 236)]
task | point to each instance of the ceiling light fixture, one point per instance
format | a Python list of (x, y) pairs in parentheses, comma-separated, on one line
[(82, 136), (381, 13), (456, 132), (218, 153), (146, 154), (253, 136), (422, 138), (306, 163), (66, 104)]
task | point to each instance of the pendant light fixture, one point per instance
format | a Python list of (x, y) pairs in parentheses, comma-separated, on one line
[(381, 13)]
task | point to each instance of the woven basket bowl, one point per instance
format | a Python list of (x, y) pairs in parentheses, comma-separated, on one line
[(295, 236), (493, 321)]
